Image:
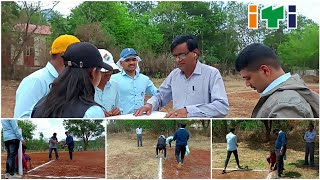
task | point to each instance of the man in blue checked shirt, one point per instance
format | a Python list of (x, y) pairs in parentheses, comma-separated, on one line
[(132, 84), (107, 92), (196, 89), (281, 148), (310, 138)]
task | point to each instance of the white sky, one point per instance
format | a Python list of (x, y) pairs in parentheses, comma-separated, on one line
[(50, 126), (308, 8)]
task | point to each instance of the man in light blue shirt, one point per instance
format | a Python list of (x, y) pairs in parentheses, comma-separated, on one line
[(132, 84), (232, 145), (310, 138), (37, 85), (12, 137), (107, 92), (196, 89)]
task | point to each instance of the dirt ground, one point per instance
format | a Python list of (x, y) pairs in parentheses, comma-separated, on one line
[(196, 160), (239, 96), (254, 156), (234, 174), (126, 160), (84, 165)]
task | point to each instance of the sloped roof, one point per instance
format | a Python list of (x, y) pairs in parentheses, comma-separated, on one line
[(41, 29)]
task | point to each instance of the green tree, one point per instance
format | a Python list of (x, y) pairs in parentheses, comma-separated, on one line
[(27, 129), (301, 50), (84, 129)]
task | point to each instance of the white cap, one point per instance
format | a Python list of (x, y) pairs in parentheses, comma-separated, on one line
[(107, 58)]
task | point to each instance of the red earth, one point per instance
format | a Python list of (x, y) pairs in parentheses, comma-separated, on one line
[(196, 165), (88, 164)]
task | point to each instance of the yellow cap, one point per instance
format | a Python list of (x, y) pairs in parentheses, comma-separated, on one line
[(61, 43)]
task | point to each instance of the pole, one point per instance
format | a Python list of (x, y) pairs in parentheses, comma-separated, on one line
[(20, 168)]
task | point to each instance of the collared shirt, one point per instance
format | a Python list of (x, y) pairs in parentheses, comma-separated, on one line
[(310, 136), (94, 112), (231, 142), (32, 88), (132, 90), (139, 131), (276, 82), (11, 130), (109, 96), (281, 140), (203, 93)]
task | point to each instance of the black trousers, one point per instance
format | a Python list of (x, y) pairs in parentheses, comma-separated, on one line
[(180, 150), (70, 148), (159, 147), (12, 147), (228, 158)]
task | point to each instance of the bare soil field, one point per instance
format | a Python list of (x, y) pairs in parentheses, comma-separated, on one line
[(241, 99), (87, 164)]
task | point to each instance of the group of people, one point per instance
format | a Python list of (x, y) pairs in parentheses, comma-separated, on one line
[(278, 154), (181, 137), (53, 145), (80, 81), (12, 137)]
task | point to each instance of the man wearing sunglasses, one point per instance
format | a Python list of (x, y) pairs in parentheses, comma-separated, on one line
[(107, 92), (196, 89)]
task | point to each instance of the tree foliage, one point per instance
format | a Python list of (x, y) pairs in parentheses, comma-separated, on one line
[(150, 27), (84, 129)]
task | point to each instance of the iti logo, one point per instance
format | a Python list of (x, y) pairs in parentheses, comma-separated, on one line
[(271, 16)]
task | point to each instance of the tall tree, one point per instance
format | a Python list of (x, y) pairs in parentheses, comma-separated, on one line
[(27, 129), (84, 129)]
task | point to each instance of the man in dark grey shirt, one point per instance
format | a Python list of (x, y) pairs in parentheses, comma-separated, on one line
[(53, 146)]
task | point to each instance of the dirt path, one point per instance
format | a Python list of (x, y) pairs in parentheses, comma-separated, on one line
[(84, 165), (196, 165), (126, 160)]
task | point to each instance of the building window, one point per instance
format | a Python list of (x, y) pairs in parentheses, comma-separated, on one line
[(28, 51)]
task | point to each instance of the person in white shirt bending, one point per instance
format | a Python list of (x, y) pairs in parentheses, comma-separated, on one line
[(139, 136)]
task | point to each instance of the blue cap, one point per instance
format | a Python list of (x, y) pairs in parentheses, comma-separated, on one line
[(127, 52)]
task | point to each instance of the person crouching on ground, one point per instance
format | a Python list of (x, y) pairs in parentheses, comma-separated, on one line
[(161, 145), (272, 159)]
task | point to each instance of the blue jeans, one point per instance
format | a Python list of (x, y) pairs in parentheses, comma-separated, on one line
[(55, 151), (12, 147)]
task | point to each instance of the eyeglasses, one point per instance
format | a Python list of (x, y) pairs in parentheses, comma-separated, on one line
[(181, 56)]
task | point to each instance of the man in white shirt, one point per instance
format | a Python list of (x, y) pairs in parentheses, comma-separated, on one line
[(231, 148), (139, 136), (310, 137)]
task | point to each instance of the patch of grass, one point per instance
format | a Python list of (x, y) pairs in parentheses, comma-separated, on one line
[(256, 159)]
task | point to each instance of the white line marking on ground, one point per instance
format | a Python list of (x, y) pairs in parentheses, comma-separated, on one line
[(65, 177), (160, 169), (40, 166), (232, 169)]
